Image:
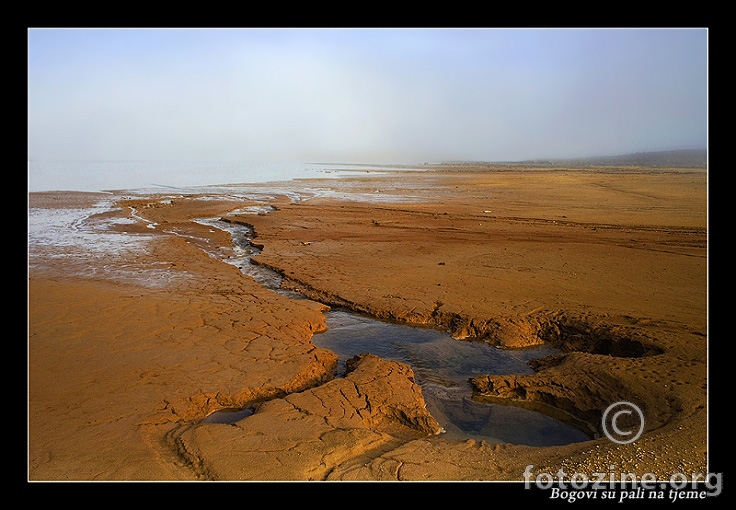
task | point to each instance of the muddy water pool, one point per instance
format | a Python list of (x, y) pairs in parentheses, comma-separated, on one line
[(441, 364), (442, 367)]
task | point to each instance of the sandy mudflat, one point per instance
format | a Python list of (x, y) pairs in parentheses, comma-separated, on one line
[(136, 332)]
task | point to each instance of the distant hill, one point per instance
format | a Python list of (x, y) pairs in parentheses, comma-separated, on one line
[(685, 158)]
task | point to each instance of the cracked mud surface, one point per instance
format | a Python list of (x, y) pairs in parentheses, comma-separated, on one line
[(304, 436), (609, 267)]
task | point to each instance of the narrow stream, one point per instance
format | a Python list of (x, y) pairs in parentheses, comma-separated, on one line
[(442, 365)]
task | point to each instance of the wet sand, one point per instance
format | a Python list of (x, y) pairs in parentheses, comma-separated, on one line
[(129, 351)]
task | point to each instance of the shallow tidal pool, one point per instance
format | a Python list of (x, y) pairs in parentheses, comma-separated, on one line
[(442, 367)]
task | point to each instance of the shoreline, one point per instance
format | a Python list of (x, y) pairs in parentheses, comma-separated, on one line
[(354, 250)]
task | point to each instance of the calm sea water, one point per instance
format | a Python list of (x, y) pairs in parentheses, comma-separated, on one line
[(157, 175)]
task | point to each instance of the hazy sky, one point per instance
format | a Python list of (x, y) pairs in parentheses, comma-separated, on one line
[(363, 95)]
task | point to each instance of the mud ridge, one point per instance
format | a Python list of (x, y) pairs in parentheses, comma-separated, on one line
[(563, 330), (203, 405), (374, 409), (580, 386)]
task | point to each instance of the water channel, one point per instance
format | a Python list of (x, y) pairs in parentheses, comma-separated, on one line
[(442, 365)]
